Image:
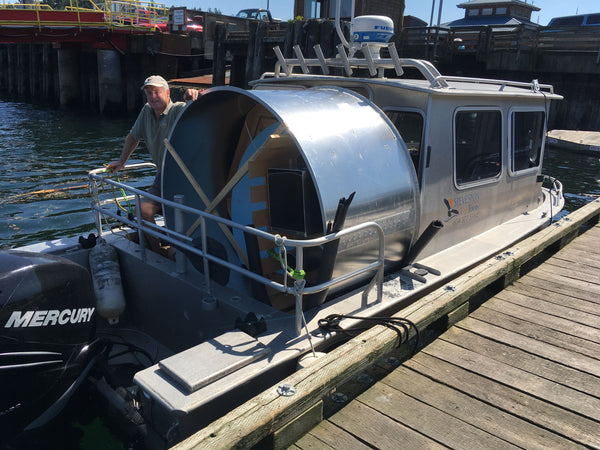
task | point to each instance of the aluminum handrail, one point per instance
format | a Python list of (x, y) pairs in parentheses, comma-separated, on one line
[(182, 241), (501, 83)]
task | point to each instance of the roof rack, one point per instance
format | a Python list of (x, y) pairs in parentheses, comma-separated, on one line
[(376, 66), (370, 61)]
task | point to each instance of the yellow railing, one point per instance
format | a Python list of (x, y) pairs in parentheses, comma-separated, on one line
[(36, 6), (135, 15)]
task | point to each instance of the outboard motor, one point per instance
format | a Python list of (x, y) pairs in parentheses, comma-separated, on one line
[(46, 330)]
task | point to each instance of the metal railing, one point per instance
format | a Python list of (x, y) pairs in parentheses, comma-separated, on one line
[(130, 14), (136, 14), (376, 66), (181, 241), (370, 61), (441, 44)]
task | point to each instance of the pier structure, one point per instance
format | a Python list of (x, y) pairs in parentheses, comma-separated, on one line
[(517, 366), (98, 57), (568, 58)]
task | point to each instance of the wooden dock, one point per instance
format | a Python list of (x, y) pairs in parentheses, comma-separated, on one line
[(586, 142), (523, 370)]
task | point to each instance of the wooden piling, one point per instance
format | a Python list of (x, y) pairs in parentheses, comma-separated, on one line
[(68, 76), (3, 68), (11, 59), (110, 92), (23, 71), (219, 55)]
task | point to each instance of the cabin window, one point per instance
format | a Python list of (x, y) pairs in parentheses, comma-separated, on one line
[(478, 145), (473, 12), (410, 126), (486, 12), (501, 11), (527, 138)]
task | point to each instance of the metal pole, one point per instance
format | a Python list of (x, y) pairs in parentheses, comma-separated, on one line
[(180, 260), (437, 32), (141, 238), (299, 264), (432, 10)]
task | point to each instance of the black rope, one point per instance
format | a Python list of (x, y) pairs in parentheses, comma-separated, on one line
[(331, 323)]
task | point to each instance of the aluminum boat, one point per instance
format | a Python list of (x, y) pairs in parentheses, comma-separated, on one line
[(349, 185)]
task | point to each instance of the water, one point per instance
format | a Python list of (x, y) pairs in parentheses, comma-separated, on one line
[(45, 155), (579, 173)]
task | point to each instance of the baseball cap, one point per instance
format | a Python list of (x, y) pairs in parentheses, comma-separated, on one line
[(155, 80)]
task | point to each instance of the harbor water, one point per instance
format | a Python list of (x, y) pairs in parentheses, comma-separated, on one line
[(45, 155)]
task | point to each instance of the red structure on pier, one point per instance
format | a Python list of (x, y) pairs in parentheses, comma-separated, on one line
[(105, 27)]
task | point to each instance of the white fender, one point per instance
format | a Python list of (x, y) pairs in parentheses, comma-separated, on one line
[(106, 275)]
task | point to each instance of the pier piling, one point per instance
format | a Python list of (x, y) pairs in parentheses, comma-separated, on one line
[(110, 92), (68, 76)]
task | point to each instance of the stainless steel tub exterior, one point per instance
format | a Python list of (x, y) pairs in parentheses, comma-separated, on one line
[(342, 139)]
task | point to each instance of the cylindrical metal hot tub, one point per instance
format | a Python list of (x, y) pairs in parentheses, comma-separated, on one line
[(297, 152)]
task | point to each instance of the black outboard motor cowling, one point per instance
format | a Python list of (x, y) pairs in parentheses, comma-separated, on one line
[(47, 318)]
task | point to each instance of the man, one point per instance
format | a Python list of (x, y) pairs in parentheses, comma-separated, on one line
[(153, 125)]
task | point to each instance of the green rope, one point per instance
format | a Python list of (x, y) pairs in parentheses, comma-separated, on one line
[(297, 274), (123, 193)]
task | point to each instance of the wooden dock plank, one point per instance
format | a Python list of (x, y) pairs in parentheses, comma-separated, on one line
[(568, 267), (527, 324), (579, 252), (537, 386), (474, 411), (521, 404), (555, 297), (580, 258), (521, 359), (573, 270), (538, 347), (553, 322), (548, 282), (431, 422), (327, 435), (548, 274), (582, 249), (380, 431), (550, 308)]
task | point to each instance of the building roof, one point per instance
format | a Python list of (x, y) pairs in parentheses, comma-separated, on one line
[(472, 3), (481, 21)]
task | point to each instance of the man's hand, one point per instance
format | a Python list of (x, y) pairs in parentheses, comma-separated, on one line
[(114, 166), (191, 94)]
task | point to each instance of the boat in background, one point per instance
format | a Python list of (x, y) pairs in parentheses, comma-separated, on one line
[(586, 142), (308, 198)]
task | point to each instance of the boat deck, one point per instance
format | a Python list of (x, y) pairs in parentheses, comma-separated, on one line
[(523, 370)]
